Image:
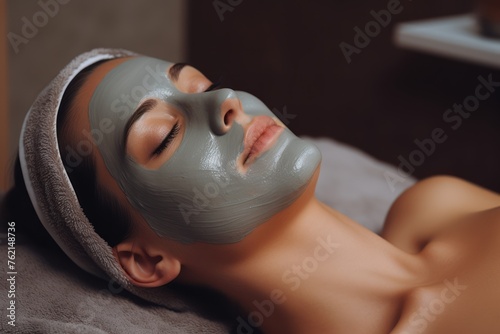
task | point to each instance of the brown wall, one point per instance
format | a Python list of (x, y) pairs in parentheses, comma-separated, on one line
[(287, 53)]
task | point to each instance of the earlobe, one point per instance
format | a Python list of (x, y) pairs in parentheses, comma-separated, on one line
[(145, 266)]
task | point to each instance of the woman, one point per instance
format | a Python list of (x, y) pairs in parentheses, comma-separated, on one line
[(202, 186)]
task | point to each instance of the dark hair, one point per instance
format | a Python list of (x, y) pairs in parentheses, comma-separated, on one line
[(109, 218)]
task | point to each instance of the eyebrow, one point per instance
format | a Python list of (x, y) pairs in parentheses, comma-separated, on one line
[(175, 70), (141, 110)]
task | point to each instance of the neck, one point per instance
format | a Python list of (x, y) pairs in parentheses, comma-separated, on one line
[(317, 272)]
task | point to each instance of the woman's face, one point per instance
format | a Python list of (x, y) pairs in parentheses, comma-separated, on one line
[(199, 163)]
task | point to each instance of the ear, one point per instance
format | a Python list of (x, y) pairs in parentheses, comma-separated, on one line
[(146, 266)]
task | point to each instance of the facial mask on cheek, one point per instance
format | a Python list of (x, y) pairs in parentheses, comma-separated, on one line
[(198, 195)]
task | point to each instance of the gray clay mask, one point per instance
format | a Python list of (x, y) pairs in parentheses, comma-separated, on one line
[(198, 194)]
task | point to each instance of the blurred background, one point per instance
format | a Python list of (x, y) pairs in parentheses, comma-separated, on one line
[(300, 58)]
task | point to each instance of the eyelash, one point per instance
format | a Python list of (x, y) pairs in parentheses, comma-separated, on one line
[(214, 86), (171, 136)]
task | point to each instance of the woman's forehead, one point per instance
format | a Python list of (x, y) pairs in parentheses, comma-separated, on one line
[(144, 73), (124, 85)]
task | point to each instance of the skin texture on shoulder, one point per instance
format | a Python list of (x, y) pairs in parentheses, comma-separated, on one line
[(432, 205)]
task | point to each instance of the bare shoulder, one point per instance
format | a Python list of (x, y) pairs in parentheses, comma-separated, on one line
[(431, 205)]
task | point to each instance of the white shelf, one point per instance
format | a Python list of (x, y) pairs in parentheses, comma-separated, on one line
[(456, 37)]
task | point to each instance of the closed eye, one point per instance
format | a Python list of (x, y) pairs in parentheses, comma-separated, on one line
[(168, 139)]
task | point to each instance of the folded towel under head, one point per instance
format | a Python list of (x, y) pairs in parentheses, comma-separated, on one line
[(52, 193)]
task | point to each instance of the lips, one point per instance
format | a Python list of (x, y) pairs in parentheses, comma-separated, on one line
[(259, 137)]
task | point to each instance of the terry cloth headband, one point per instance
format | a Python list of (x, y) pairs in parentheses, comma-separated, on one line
[(52, 193)]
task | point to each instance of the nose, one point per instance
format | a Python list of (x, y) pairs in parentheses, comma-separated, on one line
[(228, 109)]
